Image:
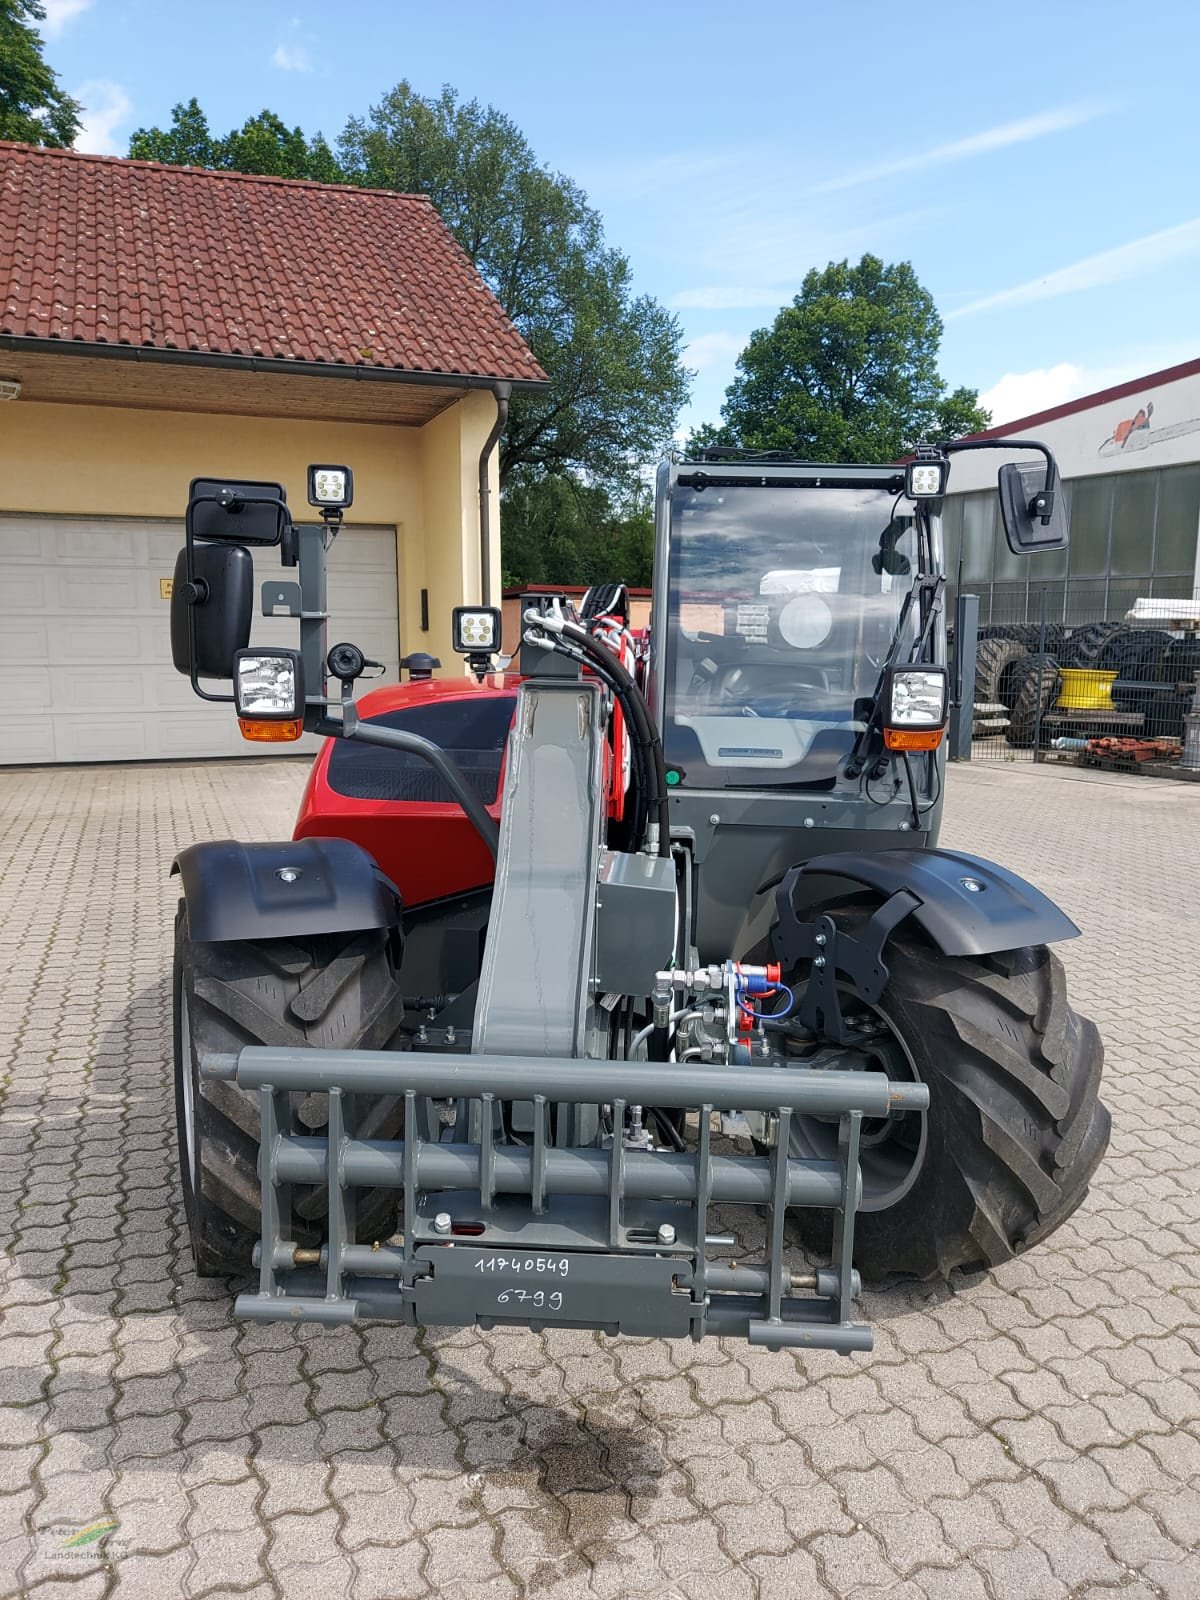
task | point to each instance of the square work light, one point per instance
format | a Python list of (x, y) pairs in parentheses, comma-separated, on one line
[(925, 480), (330, 488), (476, 630)]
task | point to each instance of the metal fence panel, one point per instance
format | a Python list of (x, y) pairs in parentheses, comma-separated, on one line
[(1080, 669)]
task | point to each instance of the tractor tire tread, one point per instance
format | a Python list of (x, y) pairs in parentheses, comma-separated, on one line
[(1015, 1128), (271, 992)]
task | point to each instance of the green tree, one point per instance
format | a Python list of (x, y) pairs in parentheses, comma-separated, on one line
[(188, 142), (558, 529), (263, 144), (613, 357), (33, 108), (266, 144), (847, 372)]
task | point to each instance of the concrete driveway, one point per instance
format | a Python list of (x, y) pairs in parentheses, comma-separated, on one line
[(1030, 1435)]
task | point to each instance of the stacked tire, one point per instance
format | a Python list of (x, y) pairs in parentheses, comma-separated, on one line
[(1085, 645), (1174, 700), (1035, 685), (996, 658)]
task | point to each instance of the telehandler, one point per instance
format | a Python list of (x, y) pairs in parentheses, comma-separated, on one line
[(464, 1049)]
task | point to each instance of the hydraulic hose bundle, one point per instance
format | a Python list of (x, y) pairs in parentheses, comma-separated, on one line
[(554, 631)]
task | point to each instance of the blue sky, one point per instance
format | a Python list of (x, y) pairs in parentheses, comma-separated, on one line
[(1039, 165)]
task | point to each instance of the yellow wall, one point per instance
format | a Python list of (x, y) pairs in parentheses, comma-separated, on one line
[(452, 443), (112, 461)]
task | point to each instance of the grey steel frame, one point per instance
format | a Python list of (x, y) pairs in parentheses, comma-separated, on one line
[(617, 1237)]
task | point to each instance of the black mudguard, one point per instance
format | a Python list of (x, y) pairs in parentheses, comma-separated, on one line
[(966, 906), (282, 891)]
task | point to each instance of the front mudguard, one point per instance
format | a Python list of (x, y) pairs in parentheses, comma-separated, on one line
[(283, 891), (964, 905)]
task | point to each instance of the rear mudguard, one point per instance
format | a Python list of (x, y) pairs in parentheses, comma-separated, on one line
[(283, 891), (964, 905)]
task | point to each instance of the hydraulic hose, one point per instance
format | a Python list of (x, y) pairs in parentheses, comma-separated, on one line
[(648, 734), (642, 781)]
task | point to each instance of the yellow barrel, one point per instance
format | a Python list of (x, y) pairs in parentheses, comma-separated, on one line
[(1084, 689)]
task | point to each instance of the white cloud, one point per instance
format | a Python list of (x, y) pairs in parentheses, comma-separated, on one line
[(727, 297), (60, 12), (1022, 394), (977, 144), (291, 57), (731, 232), (713, 349), (1136, 259), (106, 106), (650, 174)]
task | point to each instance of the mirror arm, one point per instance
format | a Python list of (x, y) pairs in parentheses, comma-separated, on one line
[(1042, 505)]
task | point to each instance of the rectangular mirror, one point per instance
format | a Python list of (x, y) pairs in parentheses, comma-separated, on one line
[(220, 596), (1025, 531), (237, 511)]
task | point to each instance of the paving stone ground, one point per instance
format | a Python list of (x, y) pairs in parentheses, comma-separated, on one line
[(1029, 1435)]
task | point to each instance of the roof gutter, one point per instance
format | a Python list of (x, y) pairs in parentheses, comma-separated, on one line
[(156, 356), (502, 391)]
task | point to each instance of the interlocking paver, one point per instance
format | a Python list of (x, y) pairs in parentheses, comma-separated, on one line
[(1035, 1432)]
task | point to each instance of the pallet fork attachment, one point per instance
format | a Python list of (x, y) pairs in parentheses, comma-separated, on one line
[(539, 1235)]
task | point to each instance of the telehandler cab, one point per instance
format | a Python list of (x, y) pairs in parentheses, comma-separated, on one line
[(453, 1054)]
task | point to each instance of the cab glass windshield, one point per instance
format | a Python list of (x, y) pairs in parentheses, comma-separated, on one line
[(783, 604)]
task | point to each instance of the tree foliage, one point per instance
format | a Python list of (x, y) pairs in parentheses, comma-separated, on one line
[(847, 372), (613, 357), (263, 144), (558, 529), (33, 108)]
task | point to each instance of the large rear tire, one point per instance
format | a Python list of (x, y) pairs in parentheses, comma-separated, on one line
[(1015, 1127), (337, 990)]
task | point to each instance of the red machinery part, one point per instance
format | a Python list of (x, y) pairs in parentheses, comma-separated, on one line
[(428, 848)]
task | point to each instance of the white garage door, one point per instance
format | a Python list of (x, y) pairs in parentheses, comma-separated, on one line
[(85, 646)]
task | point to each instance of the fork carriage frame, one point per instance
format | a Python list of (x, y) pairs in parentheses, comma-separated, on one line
[(585, 1237)]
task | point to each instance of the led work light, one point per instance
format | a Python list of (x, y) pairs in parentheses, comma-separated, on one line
[(330, 488), (915, 706), (476, 630), (925, 480), (268, 690)]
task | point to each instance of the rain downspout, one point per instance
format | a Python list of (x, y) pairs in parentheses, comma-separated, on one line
[(503, 392)]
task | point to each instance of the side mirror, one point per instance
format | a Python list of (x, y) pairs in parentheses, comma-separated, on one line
[(232, 512), (1022, 484), (219, 601)]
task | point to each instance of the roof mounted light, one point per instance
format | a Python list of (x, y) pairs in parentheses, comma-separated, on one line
[(925, 478)]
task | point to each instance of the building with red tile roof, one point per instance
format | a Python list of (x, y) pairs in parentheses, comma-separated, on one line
[(97, 251)]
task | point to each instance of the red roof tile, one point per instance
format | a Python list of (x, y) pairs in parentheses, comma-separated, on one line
[(106, 251)]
